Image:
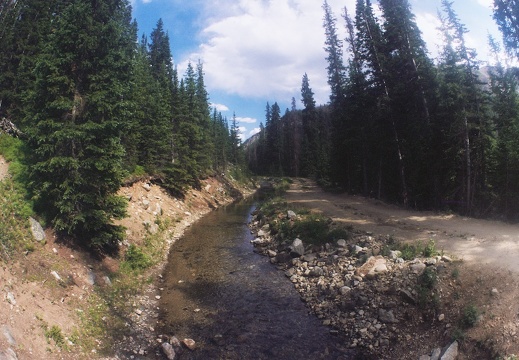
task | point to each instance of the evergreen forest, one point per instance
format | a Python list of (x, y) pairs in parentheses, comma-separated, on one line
[(437, 134), (96, 107)]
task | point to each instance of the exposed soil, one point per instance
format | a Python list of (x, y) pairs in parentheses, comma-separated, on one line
[(487, 254)]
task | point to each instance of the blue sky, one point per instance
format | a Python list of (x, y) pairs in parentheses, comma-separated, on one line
[(256, 51)]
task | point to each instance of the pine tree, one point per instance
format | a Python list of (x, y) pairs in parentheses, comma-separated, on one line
[(462, 104), (78, 105), (333, 48), (505, 105)]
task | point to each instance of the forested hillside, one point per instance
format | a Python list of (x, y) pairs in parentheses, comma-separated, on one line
[(98, 107), (400, 126)]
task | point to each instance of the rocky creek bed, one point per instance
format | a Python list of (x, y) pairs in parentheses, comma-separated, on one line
[(380, 304)]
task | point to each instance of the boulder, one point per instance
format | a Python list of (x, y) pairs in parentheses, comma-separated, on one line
[(168, 350), (451, 352), (297, 248), (373, 266), (37, 230), (387, 316)]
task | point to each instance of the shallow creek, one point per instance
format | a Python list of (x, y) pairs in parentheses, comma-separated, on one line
[(232, 301)]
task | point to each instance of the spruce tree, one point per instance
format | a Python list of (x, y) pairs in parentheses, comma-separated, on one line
[(78, 106)]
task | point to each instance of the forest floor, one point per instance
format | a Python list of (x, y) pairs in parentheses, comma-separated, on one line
[(486, 253)]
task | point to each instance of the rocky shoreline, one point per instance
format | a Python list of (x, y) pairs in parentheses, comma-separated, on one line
[(361, 289)]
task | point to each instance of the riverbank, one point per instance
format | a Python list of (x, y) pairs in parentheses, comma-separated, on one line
[(61, 302), (385, 284)]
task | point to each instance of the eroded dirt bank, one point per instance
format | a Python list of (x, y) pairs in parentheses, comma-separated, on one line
[(49, 290)]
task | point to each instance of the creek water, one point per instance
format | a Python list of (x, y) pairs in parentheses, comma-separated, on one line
[(232, 301)]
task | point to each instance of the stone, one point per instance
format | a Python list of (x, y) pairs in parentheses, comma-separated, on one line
[(435, 355), (8, 354), (291, 215), (309, 257), (373, 266), (386, 316), (417, 267), (451, 352), (271, 253), (190, 344), (10, 298), (91, 277), (56, 275), (145, 204), (344, 290), (168, 350), (297, 248), (441, 317), (495, 292), (177, 345), (146, 186), (341, 243), (8, 336), (317, 271), (37, 231), (407, 296), (446, 258), (262, 233)]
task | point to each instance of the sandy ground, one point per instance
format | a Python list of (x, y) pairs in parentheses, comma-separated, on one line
[(475, 241)]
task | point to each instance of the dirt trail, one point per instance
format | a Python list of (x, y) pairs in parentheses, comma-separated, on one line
[(476, 241)]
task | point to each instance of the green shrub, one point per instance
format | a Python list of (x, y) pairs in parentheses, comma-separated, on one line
[(313, 229), (337, 234), (54, 333), (430, 249), (425, 286), (470, 316), (136, 259)]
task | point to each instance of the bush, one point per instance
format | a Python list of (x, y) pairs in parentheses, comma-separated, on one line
[(470, 316), (135, 259), (426, 283)]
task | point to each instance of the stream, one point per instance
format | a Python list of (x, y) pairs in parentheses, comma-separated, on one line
[(232, 301)]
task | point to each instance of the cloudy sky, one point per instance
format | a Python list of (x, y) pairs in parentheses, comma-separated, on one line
[(256, 51)]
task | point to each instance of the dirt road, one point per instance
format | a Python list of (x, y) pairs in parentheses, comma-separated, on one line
[(476, 241)]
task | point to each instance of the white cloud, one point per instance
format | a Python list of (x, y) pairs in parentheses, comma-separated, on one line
[(254, 131), (246, 120), (262, 48), (486, 3), (220, 107), (429, 24)]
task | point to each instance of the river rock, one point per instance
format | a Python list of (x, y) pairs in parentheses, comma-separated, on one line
[(168, 350), (373, 266), (407, 296), (341, 243), (317, 271), (418, 267), (297, 248), (37, 231), (386, 316), (8, 336), (451, 352), (435, 355), (10, 298), (8, 354), (189, 343), (291, 215)]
